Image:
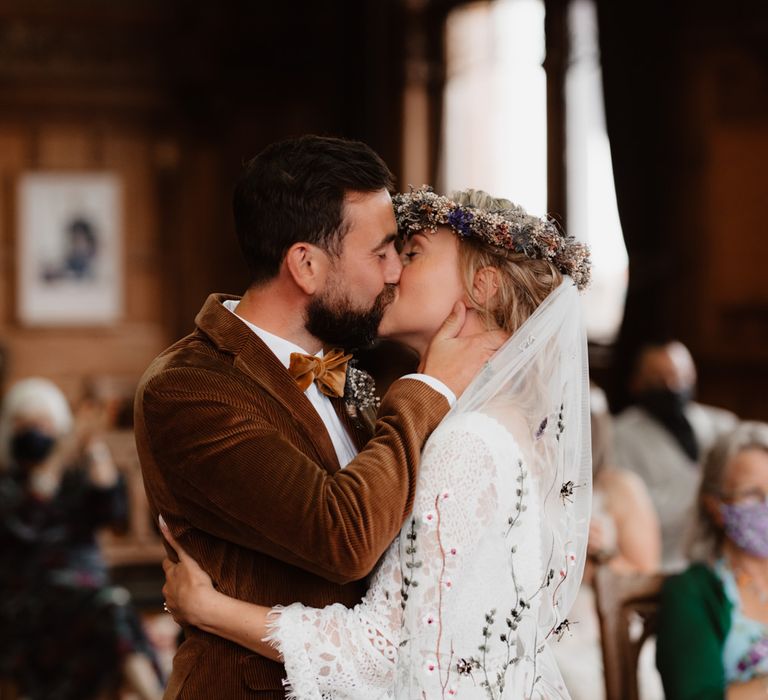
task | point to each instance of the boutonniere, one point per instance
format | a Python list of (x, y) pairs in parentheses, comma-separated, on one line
[(360, 390), (360, 394)]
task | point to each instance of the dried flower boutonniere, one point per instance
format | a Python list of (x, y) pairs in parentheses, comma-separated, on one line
[(360, 395)]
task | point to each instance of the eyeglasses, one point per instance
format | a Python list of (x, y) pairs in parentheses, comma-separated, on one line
[(750, 497)]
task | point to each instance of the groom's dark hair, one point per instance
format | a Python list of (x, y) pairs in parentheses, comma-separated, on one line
[(294, 191)]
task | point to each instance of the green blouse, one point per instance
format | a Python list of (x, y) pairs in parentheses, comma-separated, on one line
[(694, 622)]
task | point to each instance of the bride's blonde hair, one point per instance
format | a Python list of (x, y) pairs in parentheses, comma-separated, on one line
[(523, 282)]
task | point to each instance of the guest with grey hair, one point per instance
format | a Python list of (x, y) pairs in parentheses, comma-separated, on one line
[(67, 633), (713, 633)]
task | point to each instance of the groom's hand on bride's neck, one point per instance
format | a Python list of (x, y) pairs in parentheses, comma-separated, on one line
[(454, 357)]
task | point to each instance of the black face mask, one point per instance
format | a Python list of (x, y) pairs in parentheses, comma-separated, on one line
[(31, 446), (668, 407)]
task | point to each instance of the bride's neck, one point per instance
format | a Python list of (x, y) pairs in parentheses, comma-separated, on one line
[(473, 325), (419, 342)]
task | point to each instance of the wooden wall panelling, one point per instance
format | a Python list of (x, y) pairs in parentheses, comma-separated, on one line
[(738, 241), (724, 310), (199, 237), (130, 153), (65, 146), (74, 356), (14, 147)]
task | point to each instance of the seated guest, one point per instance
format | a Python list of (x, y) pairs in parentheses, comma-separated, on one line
[(66, 633), (624, 535), (713, 631), (663, 436), (625, 528)]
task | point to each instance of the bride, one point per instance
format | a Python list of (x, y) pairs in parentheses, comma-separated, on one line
[(470, 596)]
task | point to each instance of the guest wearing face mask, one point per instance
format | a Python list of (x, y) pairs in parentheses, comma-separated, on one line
[(713, 631), (66, 633), (664, 436)]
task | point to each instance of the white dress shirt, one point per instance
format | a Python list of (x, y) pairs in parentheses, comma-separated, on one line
[(342, 442)]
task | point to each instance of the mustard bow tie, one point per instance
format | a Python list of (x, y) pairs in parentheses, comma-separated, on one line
[(329, 372)]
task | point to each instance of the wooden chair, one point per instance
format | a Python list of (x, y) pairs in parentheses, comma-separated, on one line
[(628, 609)]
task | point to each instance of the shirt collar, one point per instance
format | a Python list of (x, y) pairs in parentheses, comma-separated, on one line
[(280, 347)]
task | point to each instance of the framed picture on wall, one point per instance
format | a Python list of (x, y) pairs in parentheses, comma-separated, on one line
[(69, 248)]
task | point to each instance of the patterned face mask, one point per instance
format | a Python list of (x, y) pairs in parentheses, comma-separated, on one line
[(746, 525)]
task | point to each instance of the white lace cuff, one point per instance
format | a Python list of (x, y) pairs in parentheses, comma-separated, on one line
[(285, 633)]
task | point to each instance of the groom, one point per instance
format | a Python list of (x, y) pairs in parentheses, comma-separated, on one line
[(262, 474)]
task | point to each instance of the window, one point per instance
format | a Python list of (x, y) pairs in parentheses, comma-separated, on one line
[(495, 116), (593, 216), (495, 131)]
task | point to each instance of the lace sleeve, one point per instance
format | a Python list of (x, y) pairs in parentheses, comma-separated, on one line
[(342, 653), (337, 652)]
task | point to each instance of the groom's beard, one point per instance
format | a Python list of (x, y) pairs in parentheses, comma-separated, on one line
[(337, 323)]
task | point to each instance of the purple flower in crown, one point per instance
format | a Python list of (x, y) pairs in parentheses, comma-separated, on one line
[(460, 220)]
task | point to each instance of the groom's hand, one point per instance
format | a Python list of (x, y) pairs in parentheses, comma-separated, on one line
[(454, 359)]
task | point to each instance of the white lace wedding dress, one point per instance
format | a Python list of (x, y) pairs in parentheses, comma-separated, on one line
[(467, 599)]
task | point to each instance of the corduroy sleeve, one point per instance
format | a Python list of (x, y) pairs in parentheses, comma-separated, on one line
[(235, 475), (692, 628)]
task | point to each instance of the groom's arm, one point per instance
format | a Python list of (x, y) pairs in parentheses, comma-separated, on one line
[(234, 475)]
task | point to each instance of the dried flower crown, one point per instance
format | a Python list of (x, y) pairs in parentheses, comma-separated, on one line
[(510, 228)]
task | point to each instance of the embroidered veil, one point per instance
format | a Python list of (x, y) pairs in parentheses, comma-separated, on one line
[(536, 385)]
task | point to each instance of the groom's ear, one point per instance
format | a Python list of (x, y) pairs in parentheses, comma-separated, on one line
[(307, 265)]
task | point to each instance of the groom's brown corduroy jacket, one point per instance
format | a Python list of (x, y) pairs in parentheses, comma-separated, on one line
[(242, 468)]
